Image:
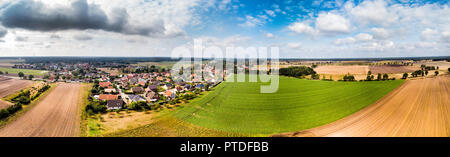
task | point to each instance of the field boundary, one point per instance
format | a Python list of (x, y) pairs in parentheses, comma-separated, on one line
[(85, 90), (26, 108)]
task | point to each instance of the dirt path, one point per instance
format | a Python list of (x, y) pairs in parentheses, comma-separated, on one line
[(55, 116), (417, 108)]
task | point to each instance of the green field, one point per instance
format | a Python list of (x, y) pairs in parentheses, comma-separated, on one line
[(25, 71), (239, 109), (298, 105)]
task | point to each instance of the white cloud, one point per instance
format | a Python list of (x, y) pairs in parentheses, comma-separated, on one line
[(21, 38), (269, 35), (82, 37), (445, 37), (270, 13), (380, 33), (332, 24), (251, 21), (364, 37), (294, 45), (301, 28), (344, 41), (372, 12), (223, 4), (429, 34)]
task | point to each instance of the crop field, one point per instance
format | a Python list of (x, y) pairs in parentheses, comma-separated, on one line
[(384, 69), (25, 71), (9, 86), (298, 105), (342, 69), (419, 108), (57, 115)]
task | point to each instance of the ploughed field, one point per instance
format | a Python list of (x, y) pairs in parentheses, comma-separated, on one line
[(417, 108), (297, 105), (57, 115), (9, 86)]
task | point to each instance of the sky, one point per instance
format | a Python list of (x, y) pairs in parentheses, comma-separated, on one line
[(301, 29)]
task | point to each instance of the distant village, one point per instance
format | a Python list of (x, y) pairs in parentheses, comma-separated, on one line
[(125, 86)]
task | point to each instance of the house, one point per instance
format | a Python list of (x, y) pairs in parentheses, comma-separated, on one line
[(110, 90), (142, 83), (108, 97), (136, 98), (104, 84), (137, 90), (151, 88), (114, 104), (170, 94), (152, 96)]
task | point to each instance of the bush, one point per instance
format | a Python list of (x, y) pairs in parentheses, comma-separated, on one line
[(349, 77), (405, 75), (4, 113), (96, 107), (298, 71), (14, 108), (23, 100)]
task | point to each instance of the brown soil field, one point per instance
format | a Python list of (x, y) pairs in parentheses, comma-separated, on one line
[(418, 108), (385, 69), (9, 86), (57, 115), (337, 69)]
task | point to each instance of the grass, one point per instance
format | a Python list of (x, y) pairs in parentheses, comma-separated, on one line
[(25, 71), (83, 101), (26, 108), (298, 105), (239, 109)]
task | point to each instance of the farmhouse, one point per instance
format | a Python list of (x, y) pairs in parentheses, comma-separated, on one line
[(114, 104)]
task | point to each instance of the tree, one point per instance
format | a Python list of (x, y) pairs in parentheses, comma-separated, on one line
[(30, 77), (448, 69), (369, 73), (405, 75), (426, 72), (1, 72), (379, 77), (436, 73), (385, 77), (21, 74)]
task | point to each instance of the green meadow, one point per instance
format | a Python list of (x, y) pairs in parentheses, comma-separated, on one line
[(239, 109), (297, 105), (25, 71)]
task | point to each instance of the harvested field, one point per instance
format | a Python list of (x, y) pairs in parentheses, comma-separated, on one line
[(417, 108), (355, 69), (9, 86), (386, 69), (57, 115)]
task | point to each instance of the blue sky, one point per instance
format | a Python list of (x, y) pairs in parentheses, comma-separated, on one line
[(301, 29)]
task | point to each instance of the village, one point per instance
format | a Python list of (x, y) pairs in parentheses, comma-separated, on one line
[(134, 87)]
